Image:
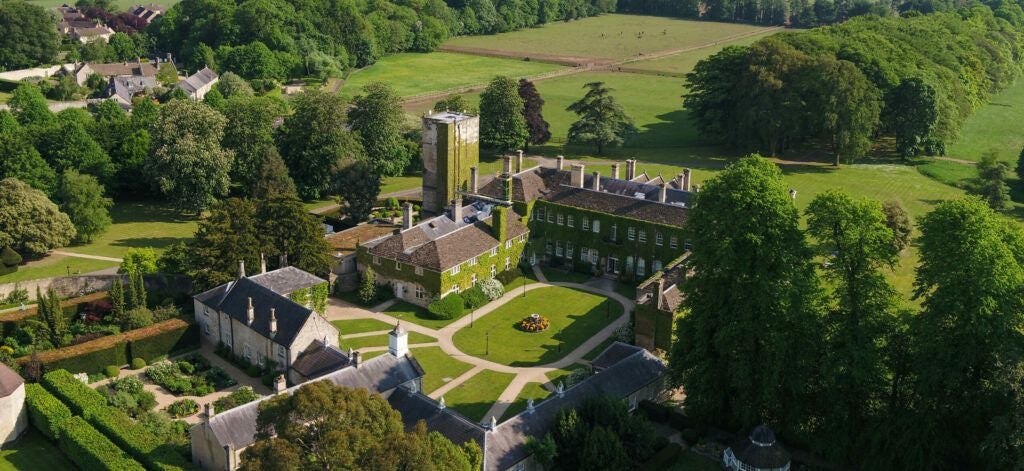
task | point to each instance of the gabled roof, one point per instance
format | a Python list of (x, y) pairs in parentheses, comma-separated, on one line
[(416, 407), (198, 80), (9, 380), (233, 298), (506, 444), (615, 353), (237, 427), (126, 87), (122, 68), (319, 359), (287, 280)]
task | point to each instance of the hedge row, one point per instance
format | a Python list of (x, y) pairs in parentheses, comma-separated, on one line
[(10, 321), (90, 450), (77, 395), (160, 339), (45, 411), (137, 440)]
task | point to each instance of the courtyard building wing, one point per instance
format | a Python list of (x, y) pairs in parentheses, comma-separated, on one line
[(233, 299)]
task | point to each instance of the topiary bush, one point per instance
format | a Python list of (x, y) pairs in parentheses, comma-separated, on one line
[(90, 450), (182, 408), (448, 307), (492, 288), (9, 260), (45, 411), (112, 371), (138, 363), (474, 298)]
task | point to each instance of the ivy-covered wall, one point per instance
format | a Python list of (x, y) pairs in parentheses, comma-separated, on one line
[(628, 251), (315, 297), (653, 327)]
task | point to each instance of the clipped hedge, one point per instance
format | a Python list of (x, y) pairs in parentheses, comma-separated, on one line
[(448, 307), (45, 411), (90, 450), (90, 357), (138, 441), (162, 339), (78, 396), (10, 321)]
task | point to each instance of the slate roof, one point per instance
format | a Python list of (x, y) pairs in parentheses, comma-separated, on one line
[(416, 407), (615, 353), (237, 427), (9, 380), (147, 69), (633, 199), (319, 359), (440, 243), (760, 450), (672, 297), (233, 297), (126, 87), (198, 80), (287, 280), (506, 445)]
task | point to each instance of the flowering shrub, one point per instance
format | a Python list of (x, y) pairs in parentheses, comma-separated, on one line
[(182, 408), (534, 323), (492, 288)]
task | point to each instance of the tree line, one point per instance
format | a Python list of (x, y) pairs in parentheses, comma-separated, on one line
[(812, 338), (844, 86)]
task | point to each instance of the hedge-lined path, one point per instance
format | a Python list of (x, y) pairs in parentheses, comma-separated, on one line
[(165, 398), (341, 310)]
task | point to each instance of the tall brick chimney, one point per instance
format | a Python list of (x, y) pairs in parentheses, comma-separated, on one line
[(474, 180), (630, 169), (576, 179), (595, 184), (615, 171)]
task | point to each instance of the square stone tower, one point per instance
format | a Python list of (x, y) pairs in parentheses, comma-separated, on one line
[(450, 146)]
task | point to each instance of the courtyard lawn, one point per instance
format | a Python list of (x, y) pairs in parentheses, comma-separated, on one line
[(381, 340), (439, 367), (475, 397), (409, 312), (533, 391), (357, 326), (994, 126), (565, 276), (395, 184), (33, 452), (607, 36), (574, 316), (140, 224), (55, 265), (416, 73), (682, 63)]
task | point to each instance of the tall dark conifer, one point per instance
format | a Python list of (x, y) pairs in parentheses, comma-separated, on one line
[(533, 106)]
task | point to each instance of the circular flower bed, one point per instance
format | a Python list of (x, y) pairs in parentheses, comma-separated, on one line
[(182, 408), (534, 323)]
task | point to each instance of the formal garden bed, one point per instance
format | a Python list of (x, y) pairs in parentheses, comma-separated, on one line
[(182, 408), (534, 323), (190, 376), (243, 395)]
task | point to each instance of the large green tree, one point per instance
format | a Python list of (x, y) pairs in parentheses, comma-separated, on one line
[(29, 222), (749, 341), (314, 143), (249, 133), (287, 228), (227, 235), (29, 105), (533, 109), (188, 163), (272, 179), (66, 144), (358, 186), (502, 126), (323, 426), (851, 108), (855, 370), (19, 159), (602, 121), (376, 116), (29, 37), (991, 184), (81, 197), (911, 113)]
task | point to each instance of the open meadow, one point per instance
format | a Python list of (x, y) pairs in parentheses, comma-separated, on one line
[(995, 126)]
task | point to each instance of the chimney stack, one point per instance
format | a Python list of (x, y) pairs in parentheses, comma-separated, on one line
[(407, 213), (661, 291), (494, 422), (273, 322), (250, 313), (456, 209), (241, 268), (473, 180), (519, 161), (630, 169), (398, 341), (506, 166), (615, 171), (355, 359), (662, 193), (210, 411), (559, 162), (686, 179), (263, 263), (280, 384), (282, 260), (440, 404), (561, 389), (529, 406), (576, 179), (596, 183)]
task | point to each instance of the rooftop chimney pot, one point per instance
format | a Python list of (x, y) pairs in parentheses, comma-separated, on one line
[(406, 216), (576, 179), (473, 180), (595, 184), (615, 171), (559, 162)]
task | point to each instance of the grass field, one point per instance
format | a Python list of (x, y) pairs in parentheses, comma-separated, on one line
[(414, 73), (994, 126), (408, 312), (140, 224), (55, 265), (357, 326), (476, 396), (439, 367), (33, 452), (607, 36), (533, 391), (381, 340), (574, 317), (684, 62)]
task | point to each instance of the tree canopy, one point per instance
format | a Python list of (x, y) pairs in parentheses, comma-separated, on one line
[(502, 125), (376, 116), (29, 222), (314, 143), (602, 121), (29, 37), (81, 197)]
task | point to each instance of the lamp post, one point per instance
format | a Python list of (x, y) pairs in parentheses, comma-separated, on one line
[(524, 284), (471, 312), (487, 345), (69, 270)]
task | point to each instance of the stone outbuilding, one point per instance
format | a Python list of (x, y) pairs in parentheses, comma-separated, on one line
[(759, 451), (13, 413)]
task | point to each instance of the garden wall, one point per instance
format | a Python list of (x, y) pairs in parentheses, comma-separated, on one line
[(68, 286)]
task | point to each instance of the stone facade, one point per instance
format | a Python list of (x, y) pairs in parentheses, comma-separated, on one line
[(13, 415), (450, 146)]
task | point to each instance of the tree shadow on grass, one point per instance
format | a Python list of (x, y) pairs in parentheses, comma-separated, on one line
[(135, 211)]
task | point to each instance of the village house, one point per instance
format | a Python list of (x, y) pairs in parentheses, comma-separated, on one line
[(197, 85), (74, 24), (147, 13), (272, 318)]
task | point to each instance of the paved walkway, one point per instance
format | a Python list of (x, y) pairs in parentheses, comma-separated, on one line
[(82, 255), (340, 310)]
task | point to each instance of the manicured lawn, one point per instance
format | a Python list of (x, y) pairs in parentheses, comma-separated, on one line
[(439, 367), (559, 275), (575, 316), (382, 340), (415, 73), (356, 326), (393, 184), (369, 355), (322, 203), (533, 391), (560, 374), (607, 36), (140, 224), (33, 452), (55, 265), (476, 396), (994, 126), (417, 315), (680, 64), (950, 173)]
